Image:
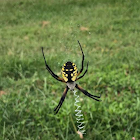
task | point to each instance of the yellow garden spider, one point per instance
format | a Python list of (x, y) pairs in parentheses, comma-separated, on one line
[(70, 75)]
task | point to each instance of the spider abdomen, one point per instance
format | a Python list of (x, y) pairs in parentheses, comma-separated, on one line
[(69, 72)]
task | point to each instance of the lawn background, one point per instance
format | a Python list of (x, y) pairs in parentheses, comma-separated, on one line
[(109, 33)]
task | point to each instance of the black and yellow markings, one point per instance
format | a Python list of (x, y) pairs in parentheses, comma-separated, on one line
[(75, 71), (64, 75), (74, 74), (69, 72)]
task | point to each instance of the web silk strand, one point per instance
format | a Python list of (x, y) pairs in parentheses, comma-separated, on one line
[(79, 115)]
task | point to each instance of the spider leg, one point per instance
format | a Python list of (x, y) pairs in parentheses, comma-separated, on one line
[(83, 73), (87, 94), (61, 100), (82, 59), (50, 71)]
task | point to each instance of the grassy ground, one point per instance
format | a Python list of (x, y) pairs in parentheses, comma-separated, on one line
[(109, 33)]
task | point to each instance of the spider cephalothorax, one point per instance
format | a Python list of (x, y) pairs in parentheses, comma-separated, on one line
[(70, 75)]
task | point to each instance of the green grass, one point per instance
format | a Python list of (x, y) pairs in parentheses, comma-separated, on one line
[(111, 45)]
